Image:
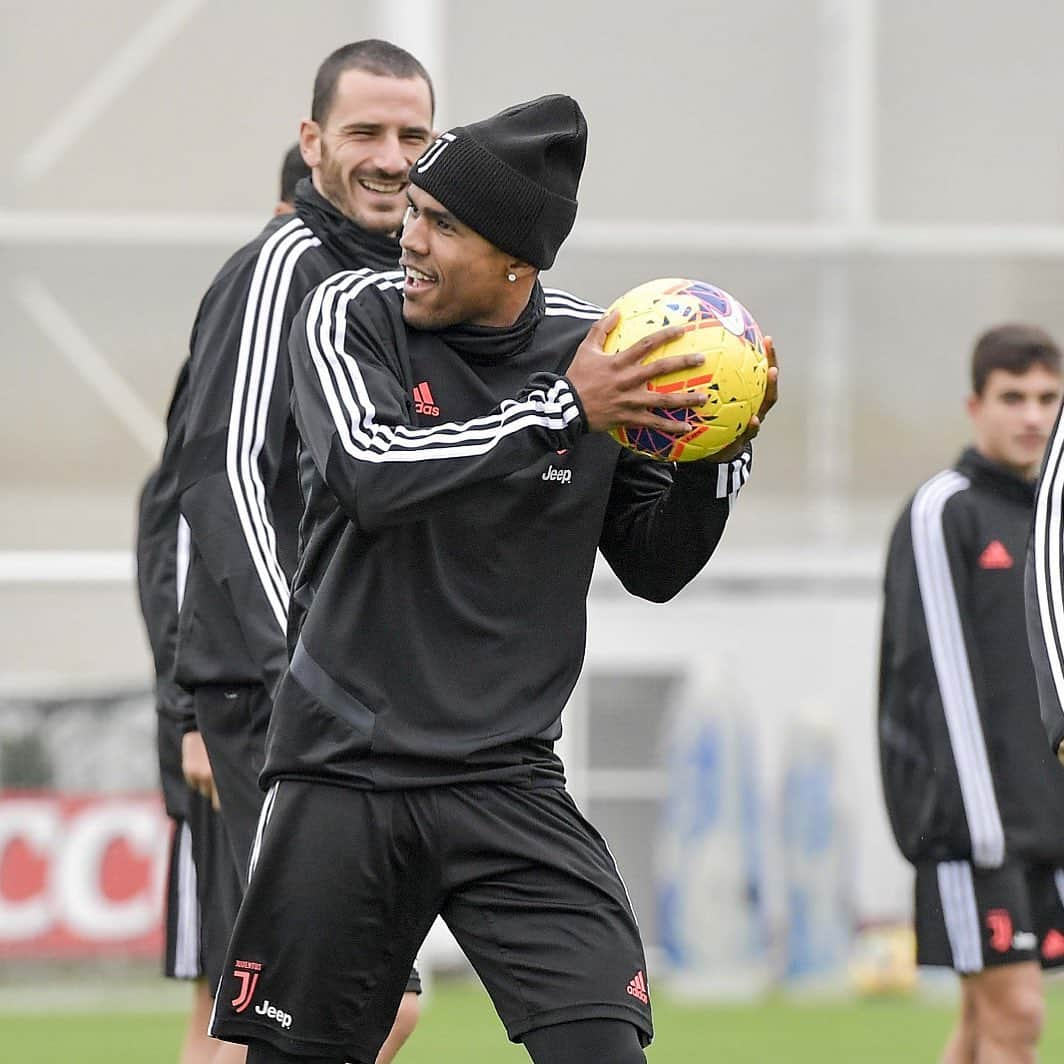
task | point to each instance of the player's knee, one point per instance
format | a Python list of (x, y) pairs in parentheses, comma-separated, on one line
[(228, 1053), (1015, 1016)]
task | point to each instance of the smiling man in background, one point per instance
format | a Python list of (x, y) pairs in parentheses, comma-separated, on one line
[(371, 116)]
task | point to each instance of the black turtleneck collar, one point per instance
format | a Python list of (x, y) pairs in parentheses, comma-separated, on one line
[(346, 239), (487, 343), (978, 468)]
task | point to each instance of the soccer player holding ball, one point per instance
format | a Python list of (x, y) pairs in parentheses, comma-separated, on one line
[(460, 479), (975, 797)]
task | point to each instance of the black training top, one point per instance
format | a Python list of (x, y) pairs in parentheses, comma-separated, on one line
[(967, 771), (456, 501), (239, 477), (162, 557)]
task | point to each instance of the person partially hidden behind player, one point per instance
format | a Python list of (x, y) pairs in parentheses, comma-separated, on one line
[(293, 170), (975, 797), (203, 889), (438, 620)]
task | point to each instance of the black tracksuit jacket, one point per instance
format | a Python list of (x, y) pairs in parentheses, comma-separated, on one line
[(967, 773), (456, 502), (162, 555), (239, 476)]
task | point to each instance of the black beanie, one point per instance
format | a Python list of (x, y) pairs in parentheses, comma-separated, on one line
[(513, 177)]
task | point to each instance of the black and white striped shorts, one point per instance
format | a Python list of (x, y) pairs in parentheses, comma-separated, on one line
[(970, 918), (203, 895)]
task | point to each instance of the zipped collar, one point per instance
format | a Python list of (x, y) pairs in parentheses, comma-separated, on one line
[(489, 344), (346, 239), (981, 470)]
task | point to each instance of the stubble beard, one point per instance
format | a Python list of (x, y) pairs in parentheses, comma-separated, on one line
[(342, 196)]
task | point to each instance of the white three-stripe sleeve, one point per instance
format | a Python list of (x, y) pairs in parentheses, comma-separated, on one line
[(953, 669), (261, 339), (182, 551), (352, 412), (1045, 588), (562, 304)]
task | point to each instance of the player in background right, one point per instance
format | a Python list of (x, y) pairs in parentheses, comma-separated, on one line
[(975, 799)]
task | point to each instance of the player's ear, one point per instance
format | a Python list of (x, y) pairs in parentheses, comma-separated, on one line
[(310, 142), (519, 271), (973, 404)]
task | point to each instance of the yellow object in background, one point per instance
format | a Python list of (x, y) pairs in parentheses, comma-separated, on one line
[(884, 960)]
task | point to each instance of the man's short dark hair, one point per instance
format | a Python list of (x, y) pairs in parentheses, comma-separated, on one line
[(374, 57), (1013, 348), (293, 169)]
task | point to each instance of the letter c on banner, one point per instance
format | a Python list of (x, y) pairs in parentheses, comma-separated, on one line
[(79, 887), (36, 825)]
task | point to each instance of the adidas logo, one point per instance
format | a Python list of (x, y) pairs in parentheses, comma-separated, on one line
[(423, 401), (637, 987), (995, 556)]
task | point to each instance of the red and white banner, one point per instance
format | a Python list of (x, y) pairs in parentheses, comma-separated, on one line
[(82, 875)]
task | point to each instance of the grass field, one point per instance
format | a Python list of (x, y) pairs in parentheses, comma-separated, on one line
[(460, 1027)]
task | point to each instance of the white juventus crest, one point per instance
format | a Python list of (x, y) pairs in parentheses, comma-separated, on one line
[(443, 142)]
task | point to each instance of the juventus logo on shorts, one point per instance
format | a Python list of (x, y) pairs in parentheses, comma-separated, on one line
[(248, 974), (441, 144)]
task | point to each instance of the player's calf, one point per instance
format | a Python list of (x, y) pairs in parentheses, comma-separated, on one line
[(961, 1047), (1009, 1011)]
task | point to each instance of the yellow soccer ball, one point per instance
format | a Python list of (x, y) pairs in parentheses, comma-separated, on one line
[(734, 373)]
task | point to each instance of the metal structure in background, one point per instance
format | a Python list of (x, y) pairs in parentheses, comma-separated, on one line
[(844, 161)]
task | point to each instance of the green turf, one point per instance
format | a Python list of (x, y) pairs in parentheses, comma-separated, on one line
[(460, 1027)]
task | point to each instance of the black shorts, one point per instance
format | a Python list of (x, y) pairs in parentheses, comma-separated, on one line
[(233, 720), (203, 895), (970, 918), (346, 883)]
